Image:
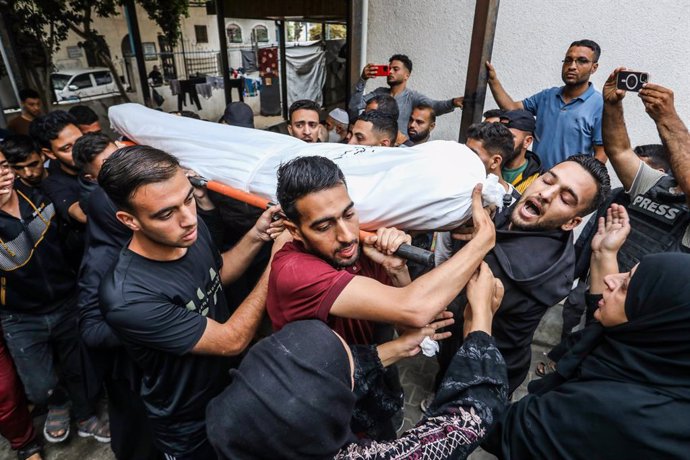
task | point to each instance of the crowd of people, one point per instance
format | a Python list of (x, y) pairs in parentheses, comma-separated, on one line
[(215, 331)]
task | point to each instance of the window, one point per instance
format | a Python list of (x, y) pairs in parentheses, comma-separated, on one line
[(103, 78), (234, 33), (82, 81), (260, 34), (201, 34)]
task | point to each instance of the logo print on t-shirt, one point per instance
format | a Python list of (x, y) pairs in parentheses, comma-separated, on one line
[(211, 293)]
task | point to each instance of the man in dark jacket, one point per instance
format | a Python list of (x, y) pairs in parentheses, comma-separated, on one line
[(539, 225), (37, 309)]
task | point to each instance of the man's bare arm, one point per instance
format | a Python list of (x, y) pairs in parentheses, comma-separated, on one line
[(615, 134), (501, 96), (658, 102), (418, 303), (237, 259)]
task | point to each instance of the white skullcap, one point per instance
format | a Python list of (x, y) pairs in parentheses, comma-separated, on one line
[(340, 116)]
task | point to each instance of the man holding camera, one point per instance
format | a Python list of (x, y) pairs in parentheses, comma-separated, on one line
[(399, 70), (568, 117)]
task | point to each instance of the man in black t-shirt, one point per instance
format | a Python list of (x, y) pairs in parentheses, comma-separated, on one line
[(164, 296)]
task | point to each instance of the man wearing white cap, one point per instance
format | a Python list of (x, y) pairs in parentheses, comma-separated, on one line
[(337, 124)]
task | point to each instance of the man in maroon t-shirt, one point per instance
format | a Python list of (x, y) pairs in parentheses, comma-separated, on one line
[(325, 274)]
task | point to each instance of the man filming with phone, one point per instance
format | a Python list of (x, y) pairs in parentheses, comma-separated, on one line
[(399, 70)]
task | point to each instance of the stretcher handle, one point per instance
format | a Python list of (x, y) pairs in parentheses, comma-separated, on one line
[(406, 251)]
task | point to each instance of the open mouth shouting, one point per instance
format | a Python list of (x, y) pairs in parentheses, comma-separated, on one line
[(531, 209)]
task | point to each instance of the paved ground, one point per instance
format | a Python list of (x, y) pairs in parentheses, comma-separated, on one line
[(417, 377)]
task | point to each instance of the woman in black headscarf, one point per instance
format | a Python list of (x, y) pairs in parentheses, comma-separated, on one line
[(623, 390), (292, 398)]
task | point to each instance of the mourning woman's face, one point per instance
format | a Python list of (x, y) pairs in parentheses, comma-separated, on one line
[(611, 311)]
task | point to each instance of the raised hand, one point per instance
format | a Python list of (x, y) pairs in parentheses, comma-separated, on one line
[(611, 94), (612, 230)]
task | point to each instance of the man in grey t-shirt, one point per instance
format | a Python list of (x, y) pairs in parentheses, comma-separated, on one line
[(400, 68)]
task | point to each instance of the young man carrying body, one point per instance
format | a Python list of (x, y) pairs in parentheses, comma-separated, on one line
[(164, 297)]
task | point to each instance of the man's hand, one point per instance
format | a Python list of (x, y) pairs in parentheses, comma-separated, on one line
[(369, 71), (491, 72), (481, 228), (458, 101), (6, 185), (612, 230), (658, 102), (408, 344), (381, 248), (280, 240), (270, 224), (611, 94), (200, 193)]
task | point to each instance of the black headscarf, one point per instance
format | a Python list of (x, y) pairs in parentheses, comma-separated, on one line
[(620, 392), (653, 347), (290, 398)]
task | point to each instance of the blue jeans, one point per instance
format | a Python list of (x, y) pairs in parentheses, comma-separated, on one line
[(35, 341)]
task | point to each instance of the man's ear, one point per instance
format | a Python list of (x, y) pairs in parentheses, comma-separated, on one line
[(129, 220), (432, 125), (294, 230), (49, 153), (289, 127), (595, 66), (571, 224), (527, 141), (496, 162), (385, 143)]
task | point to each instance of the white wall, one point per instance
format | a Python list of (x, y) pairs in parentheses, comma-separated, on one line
[(531, 39)]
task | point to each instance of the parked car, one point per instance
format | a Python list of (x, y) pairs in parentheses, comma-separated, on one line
[(83, 84)]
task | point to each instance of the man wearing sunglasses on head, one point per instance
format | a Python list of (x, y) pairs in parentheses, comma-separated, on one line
[(569, 116)]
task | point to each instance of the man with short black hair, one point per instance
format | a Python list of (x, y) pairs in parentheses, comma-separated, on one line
[(400, 68), (374, 129), (164, 297), (493, 144), (26, 159), (524, 167), (655, 156), (304, 119), (540, 225), (89, 153), (385, 103), (38, 311), (86, 119), (422, 123), (31, 108), (568, 117)]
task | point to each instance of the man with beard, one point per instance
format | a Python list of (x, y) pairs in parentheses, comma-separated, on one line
[(400, 68), (539, 224), (568, 117), (327, 274), (26, 160), (422, 122), (304, 118), (525, 166)]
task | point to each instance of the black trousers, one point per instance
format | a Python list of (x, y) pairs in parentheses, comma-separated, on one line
[(131, 434)]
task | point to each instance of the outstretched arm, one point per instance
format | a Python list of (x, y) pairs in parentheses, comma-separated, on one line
[(502, 98), (615, 134), (611, 234), (418, 303), (658, 102)]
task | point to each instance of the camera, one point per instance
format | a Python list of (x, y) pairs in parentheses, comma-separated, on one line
[(631, 81)]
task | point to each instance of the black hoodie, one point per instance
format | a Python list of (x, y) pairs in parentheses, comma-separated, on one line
[(536, 269)]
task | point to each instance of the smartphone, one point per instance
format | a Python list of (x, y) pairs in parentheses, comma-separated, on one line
[(382, 70), (631, 81)]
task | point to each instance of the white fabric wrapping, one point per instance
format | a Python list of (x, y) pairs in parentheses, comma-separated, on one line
[(427, 187)]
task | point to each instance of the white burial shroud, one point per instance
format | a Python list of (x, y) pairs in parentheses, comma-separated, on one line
[(427, 187)]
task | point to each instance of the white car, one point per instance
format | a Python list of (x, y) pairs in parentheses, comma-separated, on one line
[(83, 84)]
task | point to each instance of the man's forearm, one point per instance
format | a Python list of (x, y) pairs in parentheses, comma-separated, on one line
[(237, 259), (675, 137), (242, 325), (434, 291), (613, 130), (502, 98)]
